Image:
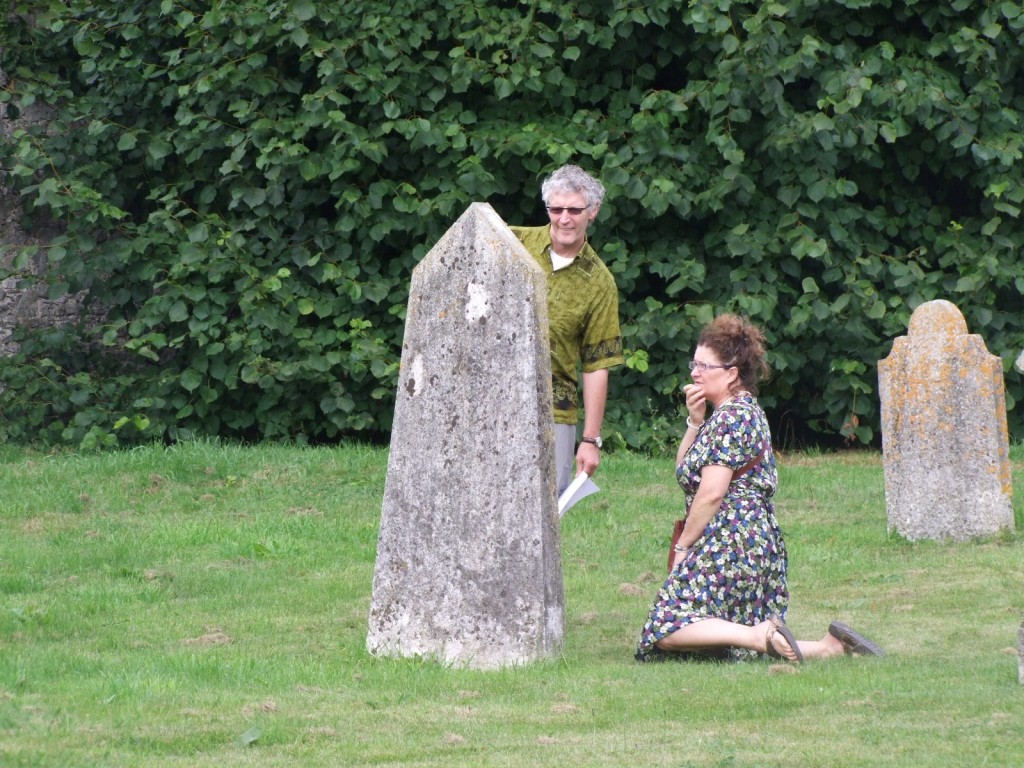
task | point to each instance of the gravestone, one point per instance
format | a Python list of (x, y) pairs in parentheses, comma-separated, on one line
[(468, 568), (1020, 653), (945, 442)]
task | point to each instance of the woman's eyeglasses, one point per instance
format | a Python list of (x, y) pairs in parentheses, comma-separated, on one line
[(694, 365)]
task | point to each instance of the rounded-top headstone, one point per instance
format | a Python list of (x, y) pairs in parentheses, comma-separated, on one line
[(944, 434)]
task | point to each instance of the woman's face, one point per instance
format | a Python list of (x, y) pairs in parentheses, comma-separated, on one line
[(716, 379)]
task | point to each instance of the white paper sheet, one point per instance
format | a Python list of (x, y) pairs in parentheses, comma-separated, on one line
[(578, 489)]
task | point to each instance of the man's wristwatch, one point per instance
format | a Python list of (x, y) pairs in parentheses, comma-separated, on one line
[(593, 440)]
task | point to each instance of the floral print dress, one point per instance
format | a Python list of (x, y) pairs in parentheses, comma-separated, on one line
[(737, 569)]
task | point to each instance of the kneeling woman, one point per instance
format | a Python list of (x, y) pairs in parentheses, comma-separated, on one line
[(726, 594)]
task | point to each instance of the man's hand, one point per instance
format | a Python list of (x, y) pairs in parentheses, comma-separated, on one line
[(588, 456)]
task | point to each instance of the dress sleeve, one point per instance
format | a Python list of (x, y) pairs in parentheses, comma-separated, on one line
[(737, 437)]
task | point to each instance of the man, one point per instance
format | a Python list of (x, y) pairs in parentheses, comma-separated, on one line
[(583, 314)]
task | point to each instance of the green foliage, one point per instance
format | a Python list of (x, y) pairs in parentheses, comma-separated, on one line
[(244, 188)]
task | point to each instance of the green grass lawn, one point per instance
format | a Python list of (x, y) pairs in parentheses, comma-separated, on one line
[(204, 605)]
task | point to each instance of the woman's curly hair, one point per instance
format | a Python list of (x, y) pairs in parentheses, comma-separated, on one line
[(738, 342)]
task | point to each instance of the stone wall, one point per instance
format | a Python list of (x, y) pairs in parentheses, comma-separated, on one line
[(20, 305)]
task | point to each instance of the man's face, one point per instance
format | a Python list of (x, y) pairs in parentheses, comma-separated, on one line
[(569, 230)]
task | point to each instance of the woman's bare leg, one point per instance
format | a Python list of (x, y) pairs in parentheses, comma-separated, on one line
[(825, 648), (718, 633)]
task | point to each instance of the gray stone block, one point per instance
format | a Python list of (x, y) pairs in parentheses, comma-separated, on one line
[(1020, 653), (944, 433), (468, 568)]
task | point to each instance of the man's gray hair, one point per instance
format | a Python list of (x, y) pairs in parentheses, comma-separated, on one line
[(571, 179)]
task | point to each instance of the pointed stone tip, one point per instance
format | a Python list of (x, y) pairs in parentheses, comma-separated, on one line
[(480, 211)]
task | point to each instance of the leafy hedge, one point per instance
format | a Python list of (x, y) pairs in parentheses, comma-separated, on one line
[(245, 186)]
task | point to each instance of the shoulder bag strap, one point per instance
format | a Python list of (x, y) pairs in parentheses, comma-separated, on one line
[(750, 464)]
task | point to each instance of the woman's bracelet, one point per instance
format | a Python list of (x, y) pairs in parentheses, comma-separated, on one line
[(679, 548), (692, 425)]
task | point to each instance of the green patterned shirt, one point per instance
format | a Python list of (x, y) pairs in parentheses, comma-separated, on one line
[(583, 318)]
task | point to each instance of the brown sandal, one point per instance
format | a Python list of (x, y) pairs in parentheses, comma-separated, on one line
[(778, 625), (853, 642)]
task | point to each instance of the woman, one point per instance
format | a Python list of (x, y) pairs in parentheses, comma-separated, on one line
[(726, 594)]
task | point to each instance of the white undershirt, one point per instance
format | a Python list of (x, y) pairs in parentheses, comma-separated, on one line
[(559, 262)]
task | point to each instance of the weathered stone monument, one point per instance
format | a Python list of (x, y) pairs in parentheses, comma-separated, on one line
[(945, 441), (468, 568), (1020, 653)]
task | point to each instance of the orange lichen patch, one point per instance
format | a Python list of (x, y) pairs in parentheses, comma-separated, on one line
[(932, 376)]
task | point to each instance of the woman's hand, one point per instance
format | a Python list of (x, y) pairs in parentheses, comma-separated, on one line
[(696, 405), (679, 557)]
